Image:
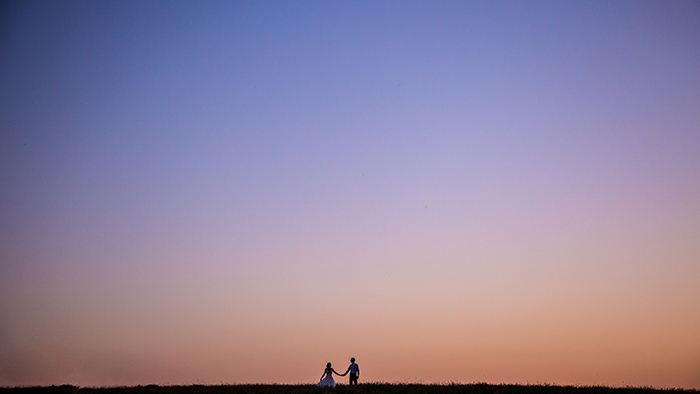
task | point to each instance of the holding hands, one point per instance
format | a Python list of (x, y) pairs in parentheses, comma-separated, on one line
[(327, 377)]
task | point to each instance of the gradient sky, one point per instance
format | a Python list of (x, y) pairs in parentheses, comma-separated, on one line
[(208, 192)]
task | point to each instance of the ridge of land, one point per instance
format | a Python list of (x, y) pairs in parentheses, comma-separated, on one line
[(366, 388)]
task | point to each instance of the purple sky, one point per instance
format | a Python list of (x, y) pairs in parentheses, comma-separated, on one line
[(448, 191)]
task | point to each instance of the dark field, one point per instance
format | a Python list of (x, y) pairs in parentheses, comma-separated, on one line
[(370, 388)]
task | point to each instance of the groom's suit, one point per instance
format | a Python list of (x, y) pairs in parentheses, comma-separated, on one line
[(354, 370)]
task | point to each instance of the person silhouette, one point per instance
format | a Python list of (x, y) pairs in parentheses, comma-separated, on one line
[(354, 370), (327, 377)]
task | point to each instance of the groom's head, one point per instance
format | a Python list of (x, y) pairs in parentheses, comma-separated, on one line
[(352, 360)]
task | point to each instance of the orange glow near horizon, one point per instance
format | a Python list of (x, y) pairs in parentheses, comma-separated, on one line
[(465, 332)]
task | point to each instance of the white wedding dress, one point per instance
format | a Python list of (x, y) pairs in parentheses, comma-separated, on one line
[(327, 380)]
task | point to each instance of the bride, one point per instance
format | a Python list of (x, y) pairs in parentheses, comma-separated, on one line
[(327, 377)]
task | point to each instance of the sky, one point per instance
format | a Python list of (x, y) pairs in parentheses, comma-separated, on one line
[(448, 191)]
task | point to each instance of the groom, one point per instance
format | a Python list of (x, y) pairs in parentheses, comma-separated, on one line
[(354, 370)]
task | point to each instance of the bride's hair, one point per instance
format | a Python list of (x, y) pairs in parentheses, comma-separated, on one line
[(328, 365)]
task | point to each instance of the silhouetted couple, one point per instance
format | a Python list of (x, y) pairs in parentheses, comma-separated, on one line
[(327, 377)]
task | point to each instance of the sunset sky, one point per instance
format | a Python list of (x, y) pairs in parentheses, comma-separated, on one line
[(448, 191)]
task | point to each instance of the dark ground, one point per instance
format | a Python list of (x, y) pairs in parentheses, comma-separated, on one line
[(370, 388)]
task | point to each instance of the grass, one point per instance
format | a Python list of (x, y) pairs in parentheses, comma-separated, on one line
[(368, 388)]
